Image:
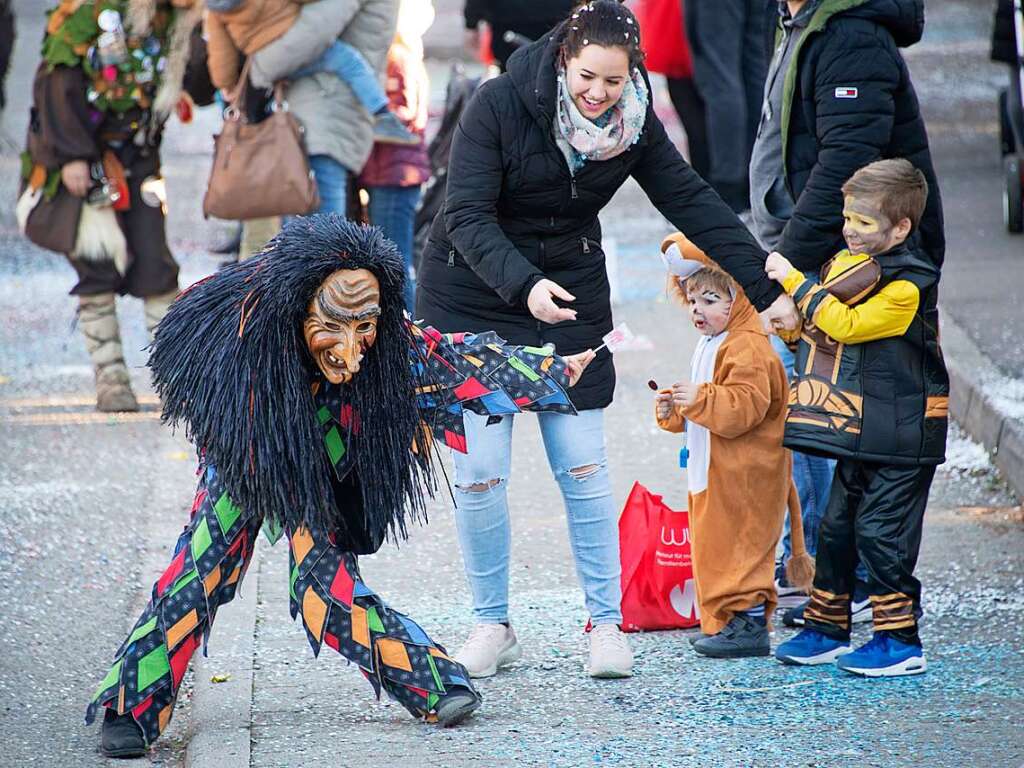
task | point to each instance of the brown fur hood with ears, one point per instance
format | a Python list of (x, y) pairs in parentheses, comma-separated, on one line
[(743, 316)]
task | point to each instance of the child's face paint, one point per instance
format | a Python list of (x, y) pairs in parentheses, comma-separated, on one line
[(865, 228), (709, 311)]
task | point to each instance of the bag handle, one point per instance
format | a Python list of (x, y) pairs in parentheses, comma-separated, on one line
[(237, 97)]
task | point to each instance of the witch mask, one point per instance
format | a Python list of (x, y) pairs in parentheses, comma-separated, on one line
[(341, 324)]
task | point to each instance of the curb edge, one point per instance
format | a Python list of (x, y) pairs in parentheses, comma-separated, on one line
[(221, 714), (972, 407)]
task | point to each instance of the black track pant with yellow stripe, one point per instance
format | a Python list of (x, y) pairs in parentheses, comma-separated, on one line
[(875, 513)]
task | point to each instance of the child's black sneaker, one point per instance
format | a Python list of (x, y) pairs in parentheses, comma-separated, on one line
[(789, 596), (696, 637), (794, 617), (860, 609), (860, 605), (743, 636), (884, 656)]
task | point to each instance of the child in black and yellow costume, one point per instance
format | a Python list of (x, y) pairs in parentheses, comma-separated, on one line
[(871, 390)]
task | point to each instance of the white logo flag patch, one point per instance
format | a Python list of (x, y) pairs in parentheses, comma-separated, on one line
[(846, 92)]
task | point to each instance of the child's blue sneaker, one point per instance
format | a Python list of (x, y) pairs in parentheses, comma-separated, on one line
[(884, 656), (811, 647)]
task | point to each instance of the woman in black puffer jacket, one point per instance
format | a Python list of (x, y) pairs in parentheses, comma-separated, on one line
[(538, 153)]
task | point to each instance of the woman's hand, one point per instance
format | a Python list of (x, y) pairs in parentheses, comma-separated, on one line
[(777, 266), (684, 393), (781, 315), (75, 177), (576, 364), (542, 306), (663, 405)]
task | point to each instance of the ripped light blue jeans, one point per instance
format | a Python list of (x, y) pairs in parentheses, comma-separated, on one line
[(576, 454)]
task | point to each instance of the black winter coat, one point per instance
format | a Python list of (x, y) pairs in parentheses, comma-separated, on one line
[(514, 215), (848, 101)]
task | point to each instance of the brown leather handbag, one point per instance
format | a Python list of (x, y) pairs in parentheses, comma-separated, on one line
[(260, 169)]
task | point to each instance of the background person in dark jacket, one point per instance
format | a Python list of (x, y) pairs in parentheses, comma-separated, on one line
[(538, 152), (845, 99), (837, 97), (531, 19), (726, 38)]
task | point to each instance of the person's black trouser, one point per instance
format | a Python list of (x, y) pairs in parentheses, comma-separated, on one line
[(727, 42), (875, 512), (152, 270), (690, 107)]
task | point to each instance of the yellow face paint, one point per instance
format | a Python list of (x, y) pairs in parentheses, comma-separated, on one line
[(865, 228)]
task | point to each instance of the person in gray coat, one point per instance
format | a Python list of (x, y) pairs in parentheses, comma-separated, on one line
[(338, 129)]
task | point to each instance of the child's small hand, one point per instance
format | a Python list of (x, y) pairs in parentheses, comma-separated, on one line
[(684, 393), (663, 405), (777, 266), (576, 364)]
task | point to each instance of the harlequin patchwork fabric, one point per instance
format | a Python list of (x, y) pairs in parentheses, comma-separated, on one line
[(336, 606), (482, 374)]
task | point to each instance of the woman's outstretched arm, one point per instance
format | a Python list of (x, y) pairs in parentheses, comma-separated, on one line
[(686, 200)]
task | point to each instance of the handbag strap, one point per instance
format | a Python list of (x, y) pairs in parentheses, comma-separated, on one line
[(236, 99)]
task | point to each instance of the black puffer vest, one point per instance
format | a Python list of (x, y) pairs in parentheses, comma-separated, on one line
[(884, 401)]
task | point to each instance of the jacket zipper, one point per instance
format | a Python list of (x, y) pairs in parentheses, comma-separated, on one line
[(586, 244), (451, 257), (543, 262), (572, 186)]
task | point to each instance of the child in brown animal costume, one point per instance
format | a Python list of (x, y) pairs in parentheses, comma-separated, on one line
[(733, 410)]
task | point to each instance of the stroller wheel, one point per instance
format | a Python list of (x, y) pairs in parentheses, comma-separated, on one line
[(1013, 193)]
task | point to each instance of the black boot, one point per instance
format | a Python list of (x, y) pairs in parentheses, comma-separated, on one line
[(121, 736), (456, 706), (742, 636)]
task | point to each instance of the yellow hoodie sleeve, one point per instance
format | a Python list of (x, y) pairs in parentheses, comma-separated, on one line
[(886, 314)]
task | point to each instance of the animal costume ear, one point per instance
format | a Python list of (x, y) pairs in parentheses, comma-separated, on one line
[(681, 257)]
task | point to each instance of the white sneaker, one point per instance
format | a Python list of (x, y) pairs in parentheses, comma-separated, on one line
[(610, 654), (860, 611), (488, 647)]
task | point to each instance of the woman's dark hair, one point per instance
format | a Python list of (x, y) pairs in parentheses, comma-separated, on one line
[(607, 23)]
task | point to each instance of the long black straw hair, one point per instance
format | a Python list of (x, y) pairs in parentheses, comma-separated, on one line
[(230, 362)]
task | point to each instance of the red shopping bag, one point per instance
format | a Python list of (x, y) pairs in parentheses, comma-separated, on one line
[(658, 590)]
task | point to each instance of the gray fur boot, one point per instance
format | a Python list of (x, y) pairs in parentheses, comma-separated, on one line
[(97, 319), (155, 307)]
